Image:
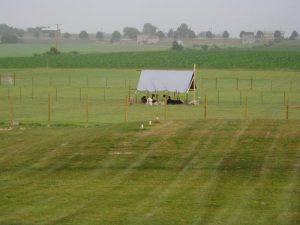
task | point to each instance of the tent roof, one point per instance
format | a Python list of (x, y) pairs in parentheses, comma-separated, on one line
[(166, 80)]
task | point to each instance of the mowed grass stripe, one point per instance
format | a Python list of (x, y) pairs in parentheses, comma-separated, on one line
[(178, 173)]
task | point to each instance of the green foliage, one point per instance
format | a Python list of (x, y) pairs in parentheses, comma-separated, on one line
[(209, 34), (231, 58), (116, 36), (259, 34), (204, 47), (130, 32), (67, 35), (53, 51), (277, 35), (149, 29), (294, 35), (161, 35), (9, 38), (184, 32), (83, 35), (225, 34), (177, 46)]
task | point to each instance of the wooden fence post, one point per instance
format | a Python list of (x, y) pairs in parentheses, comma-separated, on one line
[(20, 94), (49, 110), (104, 94), (165, 109), (11, 111), (56, 94), (271, 85), (32, 88), (246, 107), (87, 112), (287, 110), (240, 97), (126, 109), (205, 107)]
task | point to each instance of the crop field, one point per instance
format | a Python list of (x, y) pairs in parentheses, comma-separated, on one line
[(222, 59), (196, 172), (96, 96)]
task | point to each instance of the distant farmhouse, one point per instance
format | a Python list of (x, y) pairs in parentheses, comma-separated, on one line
[(248, 37), (147, 39), (252, 37)]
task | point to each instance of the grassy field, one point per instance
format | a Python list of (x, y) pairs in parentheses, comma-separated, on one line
[(238, 165), (26, 100), (204, 172)]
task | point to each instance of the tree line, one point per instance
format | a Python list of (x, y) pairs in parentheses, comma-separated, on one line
[(13, 35)]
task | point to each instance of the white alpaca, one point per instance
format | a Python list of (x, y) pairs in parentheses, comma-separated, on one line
[(149, 101)]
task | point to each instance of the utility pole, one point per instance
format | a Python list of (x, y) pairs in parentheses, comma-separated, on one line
[(57, 29)]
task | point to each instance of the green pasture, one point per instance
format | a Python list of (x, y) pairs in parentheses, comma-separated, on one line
[(186, 172), (97, 96)]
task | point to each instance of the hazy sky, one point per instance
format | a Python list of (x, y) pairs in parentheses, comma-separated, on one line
[(110, 15)]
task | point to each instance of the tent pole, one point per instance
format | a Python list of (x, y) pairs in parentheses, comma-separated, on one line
[(194, 97)]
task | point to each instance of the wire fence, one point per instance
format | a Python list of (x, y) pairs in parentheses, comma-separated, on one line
[(88, 100)]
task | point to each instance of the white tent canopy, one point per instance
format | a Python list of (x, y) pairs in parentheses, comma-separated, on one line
[(166, 80)]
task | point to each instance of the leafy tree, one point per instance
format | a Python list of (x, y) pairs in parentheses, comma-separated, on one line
[(53, 51), (130, 32), (161, 35), (67, 35), (277, 35), (170, 33), (149, 29), (204, 47), (242, 33), (259, 34), (209, 34), (20, 32), (225, 34), (177, 46), (294, 35), (100, 35), (116, 36), (184, 32), (192, 34), (9, 38), (83, 35)]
